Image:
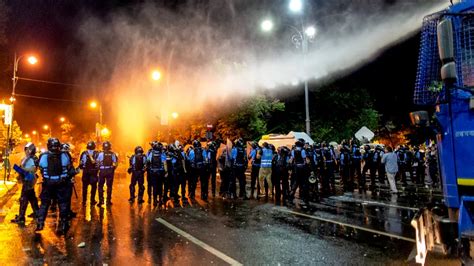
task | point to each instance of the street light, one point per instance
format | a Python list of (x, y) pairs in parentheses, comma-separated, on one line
[(295, 6), (46, 127), (266, 25), (94, 105), (174, 115), (16, 61), (301, 37), (62, 119), (156, 75)]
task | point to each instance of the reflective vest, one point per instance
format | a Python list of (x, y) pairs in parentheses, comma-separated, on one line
[(267, 156)]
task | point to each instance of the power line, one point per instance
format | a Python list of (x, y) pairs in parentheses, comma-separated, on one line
[(57, 83), (47, 98)]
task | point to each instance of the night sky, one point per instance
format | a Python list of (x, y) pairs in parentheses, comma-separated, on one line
[(50, 29)]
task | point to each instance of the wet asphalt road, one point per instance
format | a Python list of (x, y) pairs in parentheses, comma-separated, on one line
[(247, 232)]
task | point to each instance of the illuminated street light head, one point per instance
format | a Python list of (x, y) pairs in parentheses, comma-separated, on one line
[(34, 132), (93, 104), (62, 119), (174, 115), (310, 31), (295, 6), (156, 75), (45, 127), (266, 25), (32, 60)]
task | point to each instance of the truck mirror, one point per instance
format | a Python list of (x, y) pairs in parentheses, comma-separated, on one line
[(445, 41), (420, 118), (448, 73), (446, 51)]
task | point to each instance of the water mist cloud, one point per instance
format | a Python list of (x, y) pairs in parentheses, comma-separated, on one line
[(213, 52)]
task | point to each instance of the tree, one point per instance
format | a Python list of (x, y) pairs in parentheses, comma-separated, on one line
[(66, 129), (250, 119), (338, 114)]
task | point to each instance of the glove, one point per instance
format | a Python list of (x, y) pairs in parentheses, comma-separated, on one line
[(129, 170)]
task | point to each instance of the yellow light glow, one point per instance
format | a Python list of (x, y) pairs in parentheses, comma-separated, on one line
[(62, 119), (27, 135), (34, 132), (174, 115), (93, 104), (32, 60), (156, 75), (105, 132), (45, 127)]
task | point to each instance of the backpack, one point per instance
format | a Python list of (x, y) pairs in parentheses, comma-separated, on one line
[(240, 158), (55, 167), (90, 160), (108, 159), (156, 162), (139, 165), (298, 157), (345, 160)]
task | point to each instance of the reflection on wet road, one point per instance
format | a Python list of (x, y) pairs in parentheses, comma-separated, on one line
[(221, 232)]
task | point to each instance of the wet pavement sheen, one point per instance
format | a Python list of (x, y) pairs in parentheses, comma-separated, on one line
[(250, 232)]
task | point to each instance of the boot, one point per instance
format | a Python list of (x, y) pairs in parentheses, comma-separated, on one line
[(63, 227), (39, 226), (19, 220)]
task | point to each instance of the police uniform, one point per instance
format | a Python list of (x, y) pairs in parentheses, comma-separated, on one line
[(345, 162), (298, 159), (54, 166), (239, 164), (177, 173), (156, 160), (198, 160), (137, 168), (89, 174), (28, 180), (107, 162), (255, 169)]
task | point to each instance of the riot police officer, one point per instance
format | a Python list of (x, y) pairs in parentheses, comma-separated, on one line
[(345, 168), (212, 159), (265, 172), (90, 171), (255, 168), (225, 169), (66, 149), (198, 159), (239, 164), (137, 168), (379, 152), (54, 166), (300, 165), (28, 179), (419, 165), (107, 161), (356, 160), (281, 181), (328, 182), (176, 171), (156, 160), (368, 158)]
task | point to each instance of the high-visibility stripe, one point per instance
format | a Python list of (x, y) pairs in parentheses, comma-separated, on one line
[(466, 181)]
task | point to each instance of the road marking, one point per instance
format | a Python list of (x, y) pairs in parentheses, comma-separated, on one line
[(371, 202), (346, 224), (198, 242)]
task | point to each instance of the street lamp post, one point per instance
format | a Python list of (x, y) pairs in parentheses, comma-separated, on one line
[(48, 128), (16, 61), (301, 38)]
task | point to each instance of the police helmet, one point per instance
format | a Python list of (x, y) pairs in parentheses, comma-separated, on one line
[(299, 143), (196, 143), (91, 145), (366, 147), (65, 147), (139, 150), (106, 146), (171, 147), (239, 142), (30, 148), (265, 145), (53, 145)]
